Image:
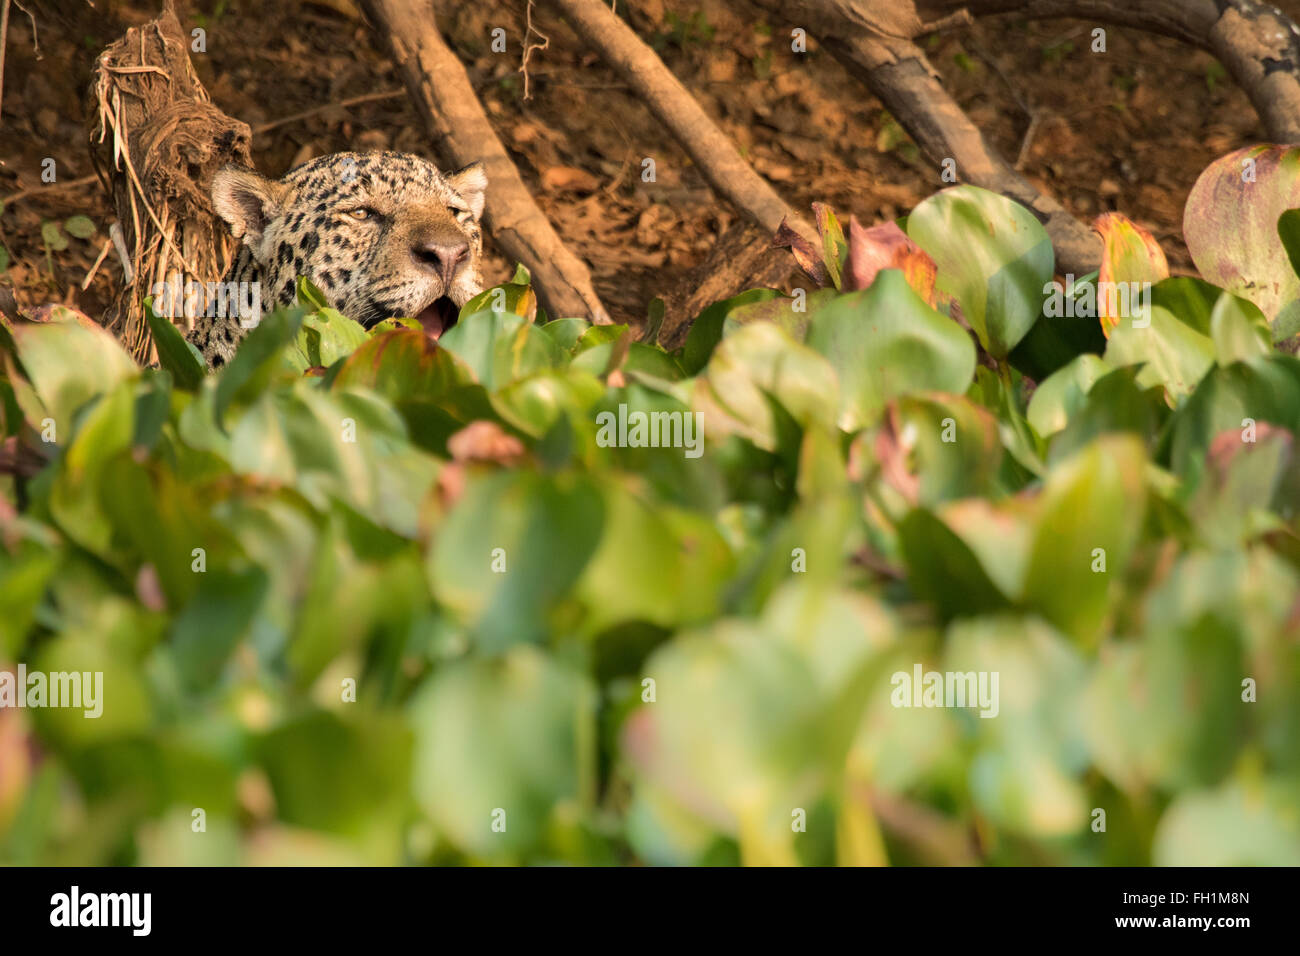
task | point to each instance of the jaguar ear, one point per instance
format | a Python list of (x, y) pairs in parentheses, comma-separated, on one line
[(246, 201), (470, 184)]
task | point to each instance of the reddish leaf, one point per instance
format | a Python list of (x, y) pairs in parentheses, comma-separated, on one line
[(1130, 255), (885, 246)]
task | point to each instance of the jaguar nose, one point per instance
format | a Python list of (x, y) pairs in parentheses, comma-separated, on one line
[(442, 258)]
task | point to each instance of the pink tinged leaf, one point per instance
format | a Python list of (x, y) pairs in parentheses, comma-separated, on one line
[(804, 253), (885, 246), (1130, 255), (1230, 224)]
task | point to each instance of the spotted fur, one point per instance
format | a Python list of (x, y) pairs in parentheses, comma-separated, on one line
[(381, 234)]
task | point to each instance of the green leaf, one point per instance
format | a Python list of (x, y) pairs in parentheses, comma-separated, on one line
[(175, 354), (1239, 330), (68, 362), (259, 358), (1173, 354), (1063, 392), (507, 741), (79, 226), (885, 342), (501, 347), (752, 370), (53, 237), (510, 550), (1089, 518), (327, 336), (994, 257), (706, 330)]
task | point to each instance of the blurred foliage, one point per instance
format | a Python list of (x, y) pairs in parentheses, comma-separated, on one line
[(414, 609)]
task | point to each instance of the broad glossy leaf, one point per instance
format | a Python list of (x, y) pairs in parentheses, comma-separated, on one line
[(885, 342), (993, 256), (1089, 518), (1231, 224), (507, 741)]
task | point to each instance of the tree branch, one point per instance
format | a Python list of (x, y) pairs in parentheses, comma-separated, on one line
[(442, 94)]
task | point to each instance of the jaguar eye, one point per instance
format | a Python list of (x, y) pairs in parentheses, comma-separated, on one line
[(361, 212)]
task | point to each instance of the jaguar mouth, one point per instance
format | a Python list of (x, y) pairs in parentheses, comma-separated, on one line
[(438, 316)]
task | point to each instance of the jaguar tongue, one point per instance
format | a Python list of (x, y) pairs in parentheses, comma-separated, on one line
[(438, 316)]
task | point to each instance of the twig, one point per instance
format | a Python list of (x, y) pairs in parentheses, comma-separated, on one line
[(1035, 119), (50, 187), (341, 104), (4, 38), (103, 254), (529, 30)]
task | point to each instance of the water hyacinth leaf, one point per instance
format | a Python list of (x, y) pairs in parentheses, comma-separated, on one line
[(309, 295), (501, 347), (1089, 517), (1172, 353), (327, 336), (649, 359), (511, 549), (1067, 328), (79, 489), (1165, 713), (1234, 398), (534, 404), (993, 256), (885, 246), (761, 700), (259, 359), (1239, 330), (1236, 501), (756, 366), (118, 688), (28, 556), (706, 331), (514, 298), (567, 332), (403, 365), (1239, 824), (68, 361), (175, 354), (668, 567), (506, 741), (1231, 219), (1018, 680), (341, 775), (943, 568), (791, 313), (954, 443), (1063, 392), (1116, 402), (884, 342), (1131, 261)]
